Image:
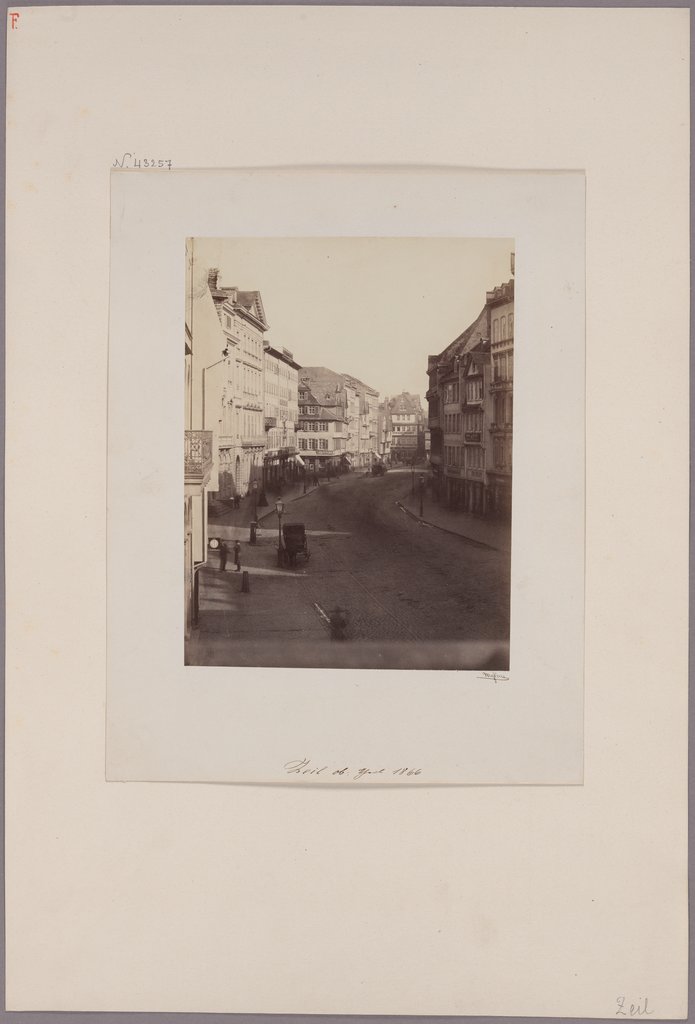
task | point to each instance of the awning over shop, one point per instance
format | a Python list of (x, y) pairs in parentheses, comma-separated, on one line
[(347, 459), (299, 459), (377, 455)]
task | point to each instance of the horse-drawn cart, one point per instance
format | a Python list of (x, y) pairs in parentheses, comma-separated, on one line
[(295, 543)]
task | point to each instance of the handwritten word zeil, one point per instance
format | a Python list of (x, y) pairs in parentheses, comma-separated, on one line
[(133, 162), (640, 1008), (303, 766)]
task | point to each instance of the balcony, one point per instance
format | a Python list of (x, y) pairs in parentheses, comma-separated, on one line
[(452, 471), (501, 384), (472, 435), (271, 422), (253, 441), (197, 457)]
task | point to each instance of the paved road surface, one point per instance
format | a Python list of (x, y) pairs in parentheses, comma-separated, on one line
[(397, 580)]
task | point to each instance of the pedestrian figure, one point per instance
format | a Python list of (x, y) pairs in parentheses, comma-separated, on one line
[(223, 555), (237, 555), (237, 501)]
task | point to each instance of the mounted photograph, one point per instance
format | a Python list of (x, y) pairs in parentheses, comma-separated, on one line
[(348, 439)]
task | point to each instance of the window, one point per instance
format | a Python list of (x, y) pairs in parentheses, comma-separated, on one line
[(511, 325), (495, 330), (475, 390), (323, 443), (503, 328)]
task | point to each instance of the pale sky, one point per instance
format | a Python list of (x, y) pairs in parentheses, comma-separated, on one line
[(371, 307)]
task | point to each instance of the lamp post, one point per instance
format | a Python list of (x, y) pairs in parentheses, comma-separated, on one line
[(254, 491), (279, 508), (422, 493)]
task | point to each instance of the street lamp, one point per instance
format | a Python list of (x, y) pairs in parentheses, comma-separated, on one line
[(254, 491), (422, 493), (279, 508), (224, 359)]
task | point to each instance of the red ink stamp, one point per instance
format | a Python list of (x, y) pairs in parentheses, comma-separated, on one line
[(14, 18)]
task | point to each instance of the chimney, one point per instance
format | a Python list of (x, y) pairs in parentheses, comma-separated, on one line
[(213, 274)]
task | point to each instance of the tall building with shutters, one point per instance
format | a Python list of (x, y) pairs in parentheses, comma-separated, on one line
[(470, 411), (241, 437), (281, 400), (407, 428)]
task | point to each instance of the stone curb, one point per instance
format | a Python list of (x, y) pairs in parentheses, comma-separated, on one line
[(272, 512), (444, 529)]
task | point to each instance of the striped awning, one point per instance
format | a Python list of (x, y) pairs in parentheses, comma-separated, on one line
[(299, 459)]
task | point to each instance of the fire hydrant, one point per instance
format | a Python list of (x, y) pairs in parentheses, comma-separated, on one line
[(253, 527)]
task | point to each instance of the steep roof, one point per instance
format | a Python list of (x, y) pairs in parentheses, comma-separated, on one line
[(246, 302), (326, 385), (320, 415), (471, 337), (405, 403), (359, 384)]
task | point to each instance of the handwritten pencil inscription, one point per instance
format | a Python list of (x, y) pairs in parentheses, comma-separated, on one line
[(303, 767), (134, 162), (640, 1008)]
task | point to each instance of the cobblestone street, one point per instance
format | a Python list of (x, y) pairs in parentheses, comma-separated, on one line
[(398, 580)]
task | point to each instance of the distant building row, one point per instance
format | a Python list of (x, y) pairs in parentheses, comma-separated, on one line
[(470, 398)]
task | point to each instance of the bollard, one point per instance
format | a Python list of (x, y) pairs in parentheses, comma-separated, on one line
[(245, 586), (253, 527)]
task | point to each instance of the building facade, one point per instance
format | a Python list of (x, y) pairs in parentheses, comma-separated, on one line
[(501, 305), (366, 451), (203, 346), (407, 428), (383, 431), (240, 386), (358, 404), (322, 434), (470, 411), (281, 401)]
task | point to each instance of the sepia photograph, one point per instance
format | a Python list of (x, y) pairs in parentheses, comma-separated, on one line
[(348, 441)]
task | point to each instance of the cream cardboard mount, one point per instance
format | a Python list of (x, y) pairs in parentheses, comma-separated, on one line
[(168, 721)]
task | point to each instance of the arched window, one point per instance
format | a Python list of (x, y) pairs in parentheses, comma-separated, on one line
[(511, 325), (503, 328)]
